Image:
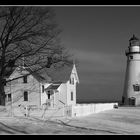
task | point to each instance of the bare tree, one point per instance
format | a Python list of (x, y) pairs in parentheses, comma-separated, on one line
[(28, 34)]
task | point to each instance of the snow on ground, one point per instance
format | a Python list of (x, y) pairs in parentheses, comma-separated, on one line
[(125, 120), (121, 121), (20, 125)]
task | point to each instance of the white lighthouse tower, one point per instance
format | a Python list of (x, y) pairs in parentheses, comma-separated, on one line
[(131, 95)]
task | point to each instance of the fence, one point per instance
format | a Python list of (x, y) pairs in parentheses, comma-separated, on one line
[(87, 109), (65, 111), (31, 111)]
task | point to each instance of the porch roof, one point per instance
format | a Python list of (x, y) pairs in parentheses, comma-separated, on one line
[(53, 87)]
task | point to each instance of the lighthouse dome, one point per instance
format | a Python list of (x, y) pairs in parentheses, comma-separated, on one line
[(134, 41)]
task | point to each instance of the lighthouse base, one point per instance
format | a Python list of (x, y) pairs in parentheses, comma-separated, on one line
[(132, 101)]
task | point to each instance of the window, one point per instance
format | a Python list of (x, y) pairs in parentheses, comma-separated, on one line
[(136, 87), (131, 57), (49, 94), (9, 97), (132, 101), (25, 79), (25, 96), (73, 81), (43, 89), (71, 96)]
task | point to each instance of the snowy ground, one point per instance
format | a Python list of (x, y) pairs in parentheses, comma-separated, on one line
[(121, 121)]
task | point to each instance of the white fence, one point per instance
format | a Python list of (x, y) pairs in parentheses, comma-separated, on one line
[(87, 109), (67, 111)]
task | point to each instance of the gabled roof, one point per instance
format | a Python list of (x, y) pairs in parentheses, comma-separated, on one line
[(53, 74), (43, 73), (76, 74), (59, 74), (36, 75)]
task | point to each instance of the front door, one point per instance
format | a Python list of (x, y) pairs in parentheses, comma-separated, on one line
[(132, 101), (50, 99)]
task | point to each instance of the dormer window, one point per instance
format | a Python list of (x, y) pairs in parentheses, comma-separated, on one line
[(136, 87), (25, 79), (72, 81)]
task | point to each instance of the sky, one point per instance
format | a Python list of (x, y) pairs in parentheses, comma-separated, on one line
[(97, 36)]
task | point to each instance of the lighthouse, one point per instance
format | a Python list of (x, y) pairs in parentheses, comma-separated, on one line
[(131, 94)]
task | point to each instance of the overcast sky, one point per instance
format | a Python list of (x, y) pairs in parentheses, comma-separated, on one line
[(98, 37)]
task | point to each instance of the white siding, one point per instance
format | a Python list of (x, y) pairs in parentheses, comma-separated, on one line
[(62, 94), (44, 95), (71, 88), (17, 88)]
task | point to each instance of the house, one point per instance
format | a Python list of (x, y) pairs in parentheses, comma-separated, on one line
[(61, 91), (55, 87), (52, 89)]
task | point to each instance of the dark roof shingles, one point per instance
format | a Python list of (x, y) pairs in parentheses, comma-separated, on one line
[(52, 74), (60, 74)]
